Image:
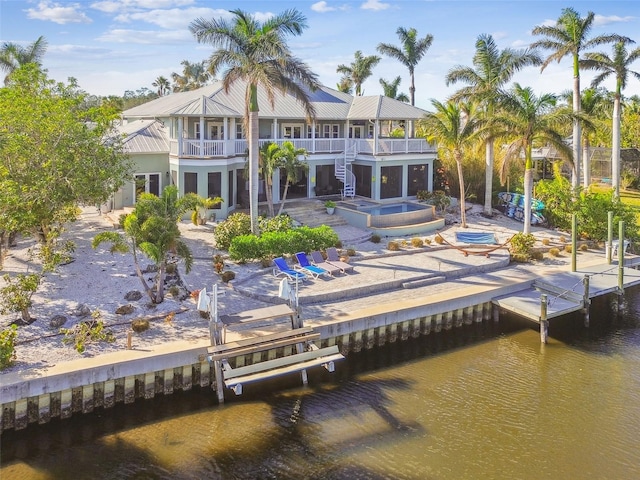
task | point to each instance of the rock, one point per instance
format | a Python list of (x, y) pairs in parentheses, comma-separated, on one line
[(57, 321), (124, 309), (133, 295), (81, 311)]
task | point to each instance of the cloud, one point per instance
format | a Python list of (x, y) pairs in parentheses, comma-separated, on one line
[(374, 5), (322, 7), (113, 6), (54, 12), (499, 35), (146, 37), (602, 20), (177, 18)]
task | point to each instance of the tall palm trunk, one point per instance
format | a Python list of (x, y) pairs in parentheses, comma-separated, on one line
[(528, 190), (586, 162), (615, 147), (488, 192), (253, 159), (577, 135), (463, 208)]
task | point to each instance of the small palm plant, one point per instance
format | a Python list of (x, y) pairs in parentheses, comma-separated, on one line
[(152, 229)]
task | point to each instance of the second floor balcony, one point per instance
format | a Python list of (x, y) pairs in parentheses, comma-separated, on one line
[(201, 148)]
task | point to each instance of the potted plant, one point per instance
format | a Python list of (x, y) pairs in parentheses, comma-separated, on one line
[(330, 206)]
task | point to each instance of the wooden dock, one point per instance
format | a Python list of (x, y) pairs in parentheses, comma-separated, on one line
[(298, 340), (566, 292)]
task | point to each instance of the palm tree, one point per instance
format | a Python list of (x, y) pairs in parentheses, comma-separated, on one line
[(528, 120), (409, 53), (493, 69), (162, 84), (292, 165), (570, 36), (269, 161), (258, 54), (619, 65), (359, 70), (390, 89), (345, 85), (194, 75), (152, 228), (13, 56), (595, 103), (454, 127)]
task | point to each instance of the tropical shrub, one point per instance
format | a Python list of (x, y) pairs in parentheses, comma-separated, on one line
[(235, 225), (8, 338), (228, 276), (522, 243), (87, 332), (417, 242), (140, 325), (375, 238), (393, 246), (554, 252)]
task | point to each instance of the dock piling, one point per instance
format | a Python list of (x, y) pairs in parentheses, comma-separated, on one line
[(585, 301), (544, 323)]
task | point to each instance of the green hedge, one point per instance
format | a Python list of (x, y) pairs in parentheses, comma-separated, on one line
[(239, 224), (244, 248)]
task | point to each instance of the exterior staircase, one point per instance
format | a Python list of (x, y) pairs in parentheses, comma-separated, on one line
[(312, 213), (344, 172)]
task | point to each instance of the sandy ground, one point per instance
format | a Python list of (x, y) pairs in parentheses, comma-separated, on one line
[(100, 280)]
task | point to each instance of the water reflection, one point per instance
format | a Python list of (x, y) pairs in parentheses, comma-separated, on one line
[(482, 401)]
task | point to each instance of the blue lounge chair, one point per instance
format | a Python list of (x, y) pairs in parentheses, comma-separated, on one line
[(306, 267), (283, 269)]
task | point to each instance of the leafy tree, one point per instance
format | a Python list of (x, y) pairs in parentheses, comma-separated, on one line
[(359, 70), (409, 53), (570, 36), (630, 127), (194, 75), (55, 154), (529, 120), (290, 162), (152, 228), (258, 54), (492, 70), (163, 85), (617, 65), (454, 127), (14, 56)]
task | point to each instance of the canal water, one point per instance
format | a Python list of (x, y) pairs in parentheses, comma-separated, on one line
[(483, 401)]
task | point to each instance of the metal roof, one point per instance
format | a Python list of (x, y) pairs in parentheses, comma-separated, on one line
[(144, 136), (329, 105)]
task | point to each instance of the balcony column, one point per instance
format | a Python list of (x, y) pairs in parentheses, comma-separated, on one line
[(407, 125), (230, 147), (203, 130), (313, 137), (275, 129), (180, 135), (376, 134), (225, 134)]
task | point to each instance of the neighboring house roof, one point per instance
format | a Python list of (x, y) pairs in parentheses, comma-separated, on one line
[(144, 136), (329, 104)]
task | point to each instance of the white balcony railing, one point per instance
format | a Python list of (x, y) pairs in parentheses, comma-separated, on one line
[(228, 148)]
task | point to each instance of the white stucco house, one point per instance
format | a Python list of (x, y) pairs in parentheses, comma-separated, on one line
[(195, 140)]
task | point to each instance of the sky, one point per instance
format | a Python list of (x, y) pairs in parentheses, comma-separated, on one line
[(111, 46)]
